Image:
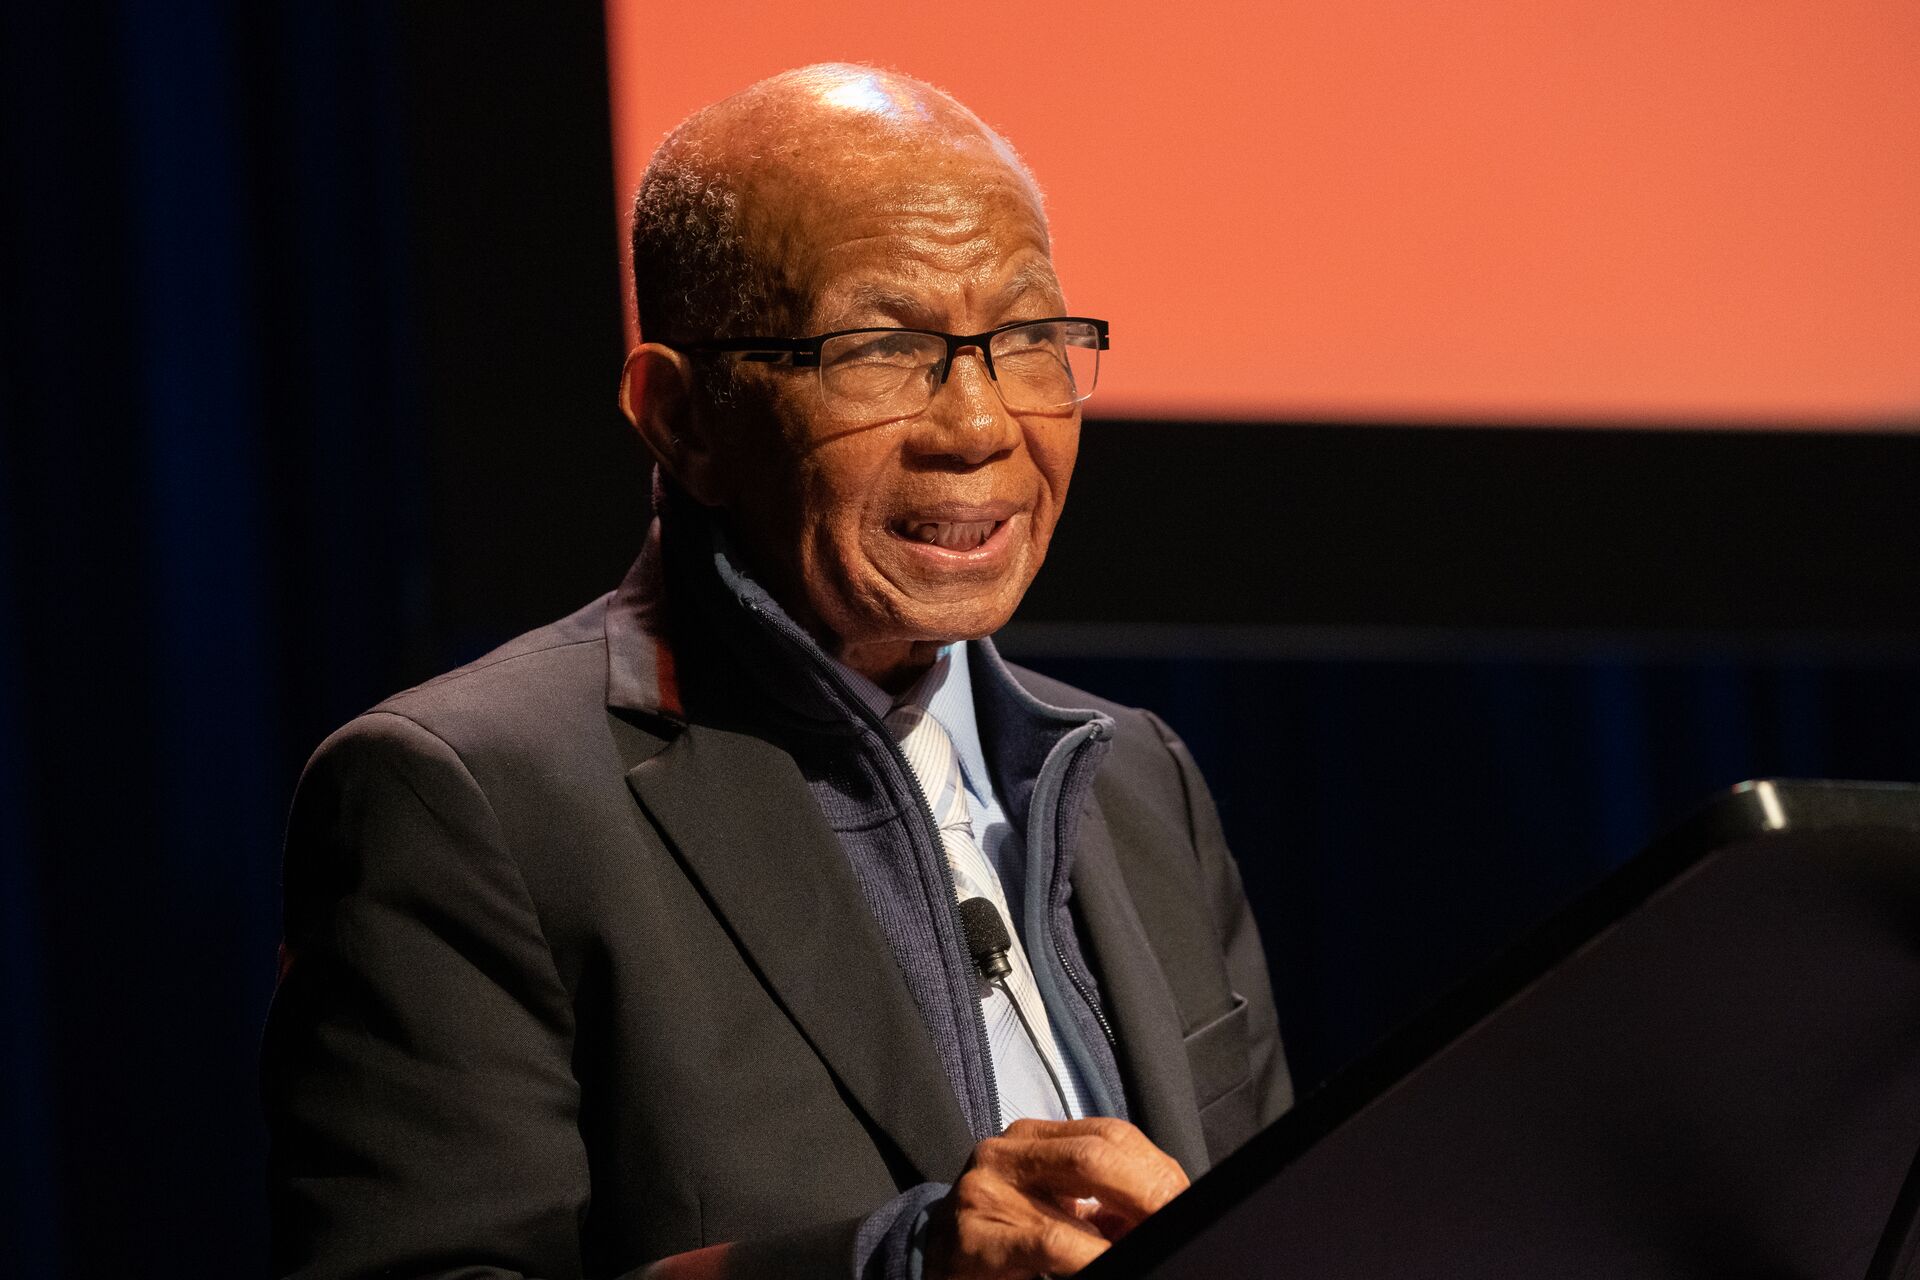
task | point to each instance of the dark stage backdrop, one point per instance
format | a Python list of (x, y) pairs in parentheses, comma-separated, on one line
[(310, 340)]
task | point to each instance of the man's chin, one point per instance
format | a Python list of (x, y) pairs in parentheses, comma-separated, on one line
[(936, 622), (945, 618)]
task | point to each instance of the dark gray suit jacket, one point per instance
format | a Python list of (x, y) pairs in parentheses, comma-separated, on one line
[(577, 978)]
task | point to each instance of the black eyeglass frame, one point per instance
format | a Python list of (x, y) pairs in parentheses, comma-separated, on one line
[(804, 353)]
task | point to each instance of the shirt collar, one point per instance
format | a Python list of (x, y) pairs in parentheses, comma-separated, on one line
[(946, 691)]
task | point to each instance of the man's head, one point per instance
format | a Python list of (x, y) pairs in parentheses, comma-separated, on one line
[(836, 198)]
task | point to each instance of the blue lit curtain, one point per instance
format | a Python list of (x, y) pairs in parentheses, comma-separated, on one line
[(208, 555)]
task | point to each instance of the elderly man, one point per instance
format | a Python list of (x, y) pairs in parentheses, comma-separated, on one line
[(758, 918)]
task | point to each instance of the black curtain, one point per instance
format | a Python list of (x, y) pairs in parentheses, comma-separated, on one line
[(212, 551)]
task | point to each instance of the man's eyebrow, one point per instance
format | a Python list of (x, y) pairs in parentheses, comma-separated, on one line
[(1028, 279), (872, 297)]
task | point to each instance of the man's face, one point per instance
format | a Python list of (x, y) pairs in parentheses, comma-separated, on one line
[(915, 530)]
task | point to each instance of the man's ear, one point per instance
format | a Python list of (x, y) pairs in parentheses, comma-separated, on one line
[(657, 395)]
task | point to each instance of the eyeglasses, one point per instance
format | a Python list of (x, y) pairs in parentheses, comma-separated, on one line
[(879, 374)]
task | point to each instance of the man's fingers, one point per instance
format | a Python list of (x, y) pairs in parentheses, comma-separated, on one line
[(1127, 1187), (1047, 1197), (1067, 1160), (988, 1229), (999, 1250), (1111, 1225), (1060, 1249)]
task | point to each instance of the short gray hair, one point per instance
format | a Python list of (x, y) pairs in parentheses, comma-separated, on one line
[(694, 274)]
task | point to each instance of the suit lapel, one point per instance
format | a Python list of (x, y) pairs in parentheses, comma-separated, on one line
[(1146, 1022), (739, 814)]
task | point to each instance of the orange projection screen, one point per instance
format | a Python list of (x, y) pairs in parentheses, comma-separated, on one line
[(1499, 210)]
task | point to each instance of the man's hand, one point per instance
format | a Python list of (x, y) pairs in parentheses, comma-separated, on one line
[(1046, 1198)]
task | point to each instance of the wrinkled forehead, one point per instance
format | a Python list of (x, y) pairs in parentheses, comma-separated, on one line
[(815, 209), (844, 189)]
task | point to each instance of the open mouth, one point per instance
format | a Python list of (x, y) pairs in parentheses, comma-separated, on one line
[(948, 535)]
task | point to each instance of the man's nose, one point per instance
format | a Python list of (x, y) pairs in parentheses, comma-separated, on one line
[(968, 420)]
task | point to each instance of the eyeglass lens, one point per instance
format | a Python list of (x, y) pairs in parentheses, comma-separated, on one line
[(1041, 366)]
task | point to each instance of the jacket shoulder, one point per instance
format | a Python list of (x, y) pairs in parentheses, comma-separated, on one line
[(535, 673), (539, 688)]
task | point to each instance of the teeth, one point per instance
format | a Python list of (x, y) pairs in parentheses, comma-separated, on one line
[(952, 535)]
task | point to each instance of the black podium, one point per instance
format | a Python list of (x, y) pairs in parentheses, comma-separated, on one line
[(1708, 1067)]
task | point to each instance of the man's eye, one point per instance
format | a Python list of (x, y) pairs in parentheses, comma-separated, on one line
[(890, 349), (1033, 335), (1033, 338)]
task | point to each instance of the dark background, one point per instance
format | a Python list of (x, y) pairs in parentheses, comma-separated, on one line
[(311, 339)]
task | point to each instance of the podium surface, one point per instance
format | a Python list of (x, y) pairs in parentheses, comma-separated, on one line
[(1707, 1067)]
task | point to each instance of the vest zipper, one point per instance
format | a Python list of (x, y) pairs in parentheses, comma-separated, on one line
[(1073, 976), (1060, 953)]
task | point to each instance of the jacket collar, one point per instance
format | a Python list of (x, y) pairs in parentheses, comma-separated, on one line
[(689, 627), (640, 669)]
